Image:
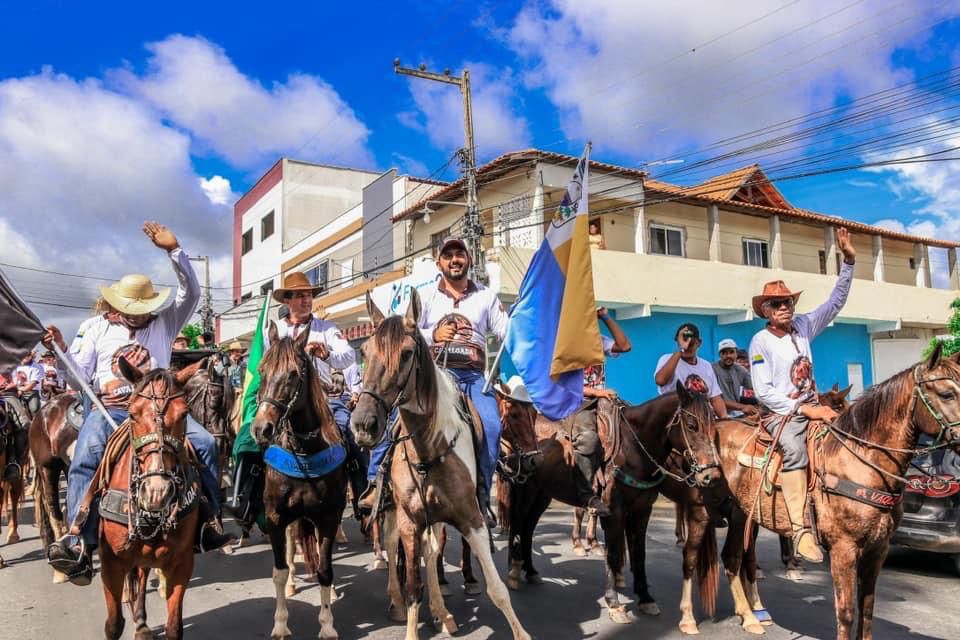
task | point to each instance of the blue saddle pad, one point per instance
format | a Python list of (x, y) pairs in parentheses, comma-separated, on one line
[(313, 466)]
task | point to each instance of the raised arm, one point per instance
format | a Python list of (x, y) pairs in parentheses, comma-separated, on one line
[(823, 315), (188, 287)]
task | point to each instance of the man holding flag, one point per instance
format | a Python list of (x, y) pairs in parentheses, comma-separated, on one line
[(553, 334)]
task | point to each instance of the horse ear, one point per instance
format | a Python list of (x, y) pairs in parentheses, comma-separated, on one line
[(186, 373), (376, 316), (302, 340), (130, 372), (272, 333), (846, 392), (935, 356), (413, 311), (835, 387), (683, 393)]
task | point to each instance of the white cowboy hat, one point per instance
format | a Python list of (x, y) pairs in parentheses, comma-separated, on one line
[(134, 295), (517, 390)]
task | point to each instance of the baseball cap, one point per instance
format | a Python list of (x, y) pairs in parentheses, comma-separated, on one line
[(451, 242), (726, 343)]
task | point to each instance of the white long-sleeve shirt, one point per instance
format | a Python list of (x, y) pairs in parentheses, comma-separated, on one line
[(781, 368), (102, 343), (325, 332), (476, 314)]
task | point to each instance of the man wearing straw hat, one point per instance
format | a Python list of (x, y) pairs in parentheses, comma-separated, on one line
[(138, 328), (782, 372)]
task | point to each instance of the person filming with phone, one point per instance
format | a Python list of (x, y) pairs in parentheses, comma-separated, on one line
[(695, 373)]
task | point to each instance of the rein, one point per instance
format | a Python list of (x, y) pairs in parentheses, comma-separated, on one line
[(688, 455), (284, 424)]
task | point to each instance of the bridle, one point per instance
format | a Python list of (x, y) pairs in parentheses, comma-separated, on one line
[(400, 400), (202, 393), (688, 455), (524, 460), (284, 428)]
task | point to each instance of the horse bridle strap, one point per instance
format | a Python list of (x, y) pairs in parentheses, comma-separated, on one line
[(925, 400), (151, 438)]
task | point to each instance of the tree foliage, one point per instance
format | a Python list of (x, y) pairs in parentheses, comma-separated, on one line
[(951, 344), (192, 331)]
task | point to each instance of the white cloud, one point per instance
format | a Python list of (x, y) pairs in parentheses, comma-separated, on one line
[(411, 166), (217, 190), (192, 82), (495, 102), (622, 73), (862, 184)]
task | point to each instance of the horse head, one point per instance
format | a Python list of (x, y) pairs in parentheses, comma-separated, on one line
[(518, 419), (692, 431), (399, 373), (158, 416), (836, 398), (937, 407), (209, 397)]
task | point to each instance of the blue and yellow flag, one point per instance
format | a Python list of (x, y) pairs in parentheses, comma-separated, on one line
[(251, 387), (553, 333)]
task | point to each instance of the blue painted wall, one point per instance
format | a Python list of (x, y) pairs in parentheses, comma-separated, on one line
[(631, 374)]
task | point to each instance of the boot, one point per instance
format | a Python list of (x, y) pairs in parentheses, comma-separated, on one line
[(71, 556), (246, 502), (483, 499), (210, 535), (368, 498), (583, 479), (794, 484)]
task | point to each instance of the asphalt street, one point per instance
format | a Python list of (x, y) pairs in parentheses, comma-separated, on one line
[(232, 596)]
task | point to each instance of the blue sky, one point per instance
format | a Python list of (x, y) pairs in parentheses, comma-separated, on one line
[(114, 113)]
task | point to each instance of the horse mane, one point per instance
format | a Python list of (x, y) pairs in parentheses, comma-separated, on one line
[(152, 376), (388, 345), (284, 356)]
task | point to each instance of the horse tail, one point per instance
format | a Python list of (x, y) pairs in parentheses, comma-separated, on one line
[(708, 570), (504, 503), (305, 533)]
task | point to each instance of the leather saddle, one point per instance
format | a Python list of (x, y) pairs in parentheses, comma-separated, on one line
[(758, 452), (607, 427)]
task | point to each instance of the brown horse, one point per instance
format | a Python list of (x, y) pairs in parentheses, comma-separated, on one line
[(159, 489), (53, 432), (433, 473), (12, 473), (306, 481), (858, 464), (210, 397)]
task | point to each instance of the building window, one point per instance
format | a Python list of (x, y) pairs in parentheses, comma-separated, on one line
[(436, 239), (266, 226), (755, 253), (666, 241), (266, 288), (318, 275), (822, 255), (246, 243), (913, 264), (246, 297)]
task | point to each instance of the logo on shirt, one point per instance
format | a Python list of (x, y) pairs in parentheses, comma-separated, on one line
[(758, 359), (694, 383), (801, 375)]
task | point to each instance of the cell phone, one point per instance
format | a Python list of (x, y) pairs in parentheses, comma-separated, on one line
[(687, 334)]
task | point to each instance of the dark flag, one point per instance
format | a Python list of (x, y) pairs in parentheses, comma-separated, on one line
[(20, 329)]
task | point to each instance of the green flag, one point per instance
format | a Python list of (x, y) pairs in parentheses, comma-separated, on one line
[(251, 386)]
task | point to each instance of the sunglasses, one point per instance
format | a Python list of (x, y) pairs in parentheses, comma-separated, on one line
[(786, 302)]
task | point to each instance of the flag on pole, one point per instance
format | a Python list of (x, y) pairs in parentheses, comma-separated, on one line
[(22, 329), (251, 386), (553, 333)]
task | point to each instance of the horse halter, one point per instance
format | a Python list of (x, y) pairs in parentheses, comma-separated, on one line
[(400, 399), (688, 455), (945, 426), (285, 408)]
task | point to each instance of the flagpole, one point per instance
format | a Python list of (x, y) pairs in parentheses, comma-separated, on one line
[(84, 386), (493, 367)]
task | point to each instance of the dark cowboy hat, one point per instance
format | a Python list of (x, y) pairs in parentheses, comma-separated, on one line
[(775, 289), (296, 281)]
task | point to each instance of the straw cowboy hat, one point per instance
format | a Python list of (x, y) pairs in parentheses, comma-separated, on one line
[(295, 281), (135, 295), (514, 389), (235, 346), (776, 289)]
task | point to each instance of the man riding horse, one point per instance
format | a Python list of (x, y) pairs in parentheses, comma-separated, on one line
[(782, 373), (328, 350), (136, 329)]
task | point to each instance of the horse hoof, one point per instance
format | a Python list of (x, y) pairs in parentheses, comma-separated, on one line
[(282, 633), (580, 552), (397, 614), (472, 588), (513, 583), (689, 629), (794, 575), (620, 582), (619, 615), (755, 629), (598, 550), (227, 550), (379, 564), (447, 625), (13, 537), (649, 608), (145, 634), (290, 591), (534, 578), (59, 577)]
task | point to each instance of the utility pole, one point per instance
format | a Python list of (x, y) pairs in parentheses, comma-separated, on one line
[(206, 309), (472, 227)]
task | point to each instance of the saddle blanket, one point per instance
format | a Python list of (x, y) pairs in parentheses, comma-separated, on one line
[(298, 466)]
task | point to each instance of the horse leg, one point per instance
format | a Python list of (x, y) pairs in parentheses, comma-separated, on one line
[(442, 620), (412, 585), (637, 545), (177, 579), (113, 574), (138, 607), (290, 589), (793, 566), (680, 525), (613, 531), (391, 538), (441, 574), (593, 544), (578, 549), (869, 570), (377, 531), (470, 584), (281, 570), (732, 561), (526, 540), (695, 533), (14, 493), (497, 591), (325, 578), (748, 576), (843, 566)]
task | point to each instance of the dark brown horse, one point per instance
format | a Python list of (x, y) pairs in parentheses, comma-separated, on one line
[(210, 397), (12, 472), (433, 473), (294, 421), (53, 432), (858, 464), (160, 488)]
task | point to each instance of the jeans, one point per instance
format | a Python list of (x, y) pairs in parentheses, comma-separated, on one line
[(379, 450), (91, 443), (793, 441), (471, 384)]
